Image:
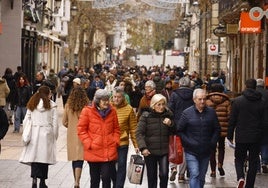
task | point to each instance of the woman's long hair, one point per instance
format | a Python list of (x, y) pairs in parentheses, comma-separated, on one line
[(78, 99), (42, 93)]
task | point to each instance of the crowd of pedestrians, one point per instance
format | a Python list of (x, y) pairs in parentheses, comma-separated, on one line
[(106, 107)]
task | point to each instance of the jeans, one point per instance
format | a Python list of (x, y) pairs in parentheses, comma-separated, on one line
[(122, 165), (19, 116), (264, 154), (221, 152), (103, 170), (197, 167), (241, 152), (151, 162)]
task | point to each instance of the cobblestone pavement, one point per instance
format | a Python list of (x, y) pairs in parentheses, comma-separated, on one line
[(16, 175)]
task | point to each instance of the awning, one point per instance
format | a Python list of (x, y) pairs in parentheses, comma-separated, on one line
[(52, 37)]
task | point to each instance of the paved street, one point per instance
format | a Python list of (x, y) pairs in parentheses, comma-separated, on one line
[(16, 175)]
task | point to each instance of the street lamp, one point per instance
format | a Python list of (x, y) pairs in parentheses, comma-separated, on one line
[(74, 10), (57, 5)]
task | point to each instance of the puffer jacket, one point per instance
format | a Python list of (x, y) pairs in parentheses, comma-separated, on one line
[(180, 99), (152, 134), (127, 122), (199, 131), (222, 105), (246, 117), (100, 136)]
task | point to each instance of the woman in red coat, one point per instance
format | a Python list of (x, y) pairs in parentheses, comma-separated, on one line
[(99, 131)]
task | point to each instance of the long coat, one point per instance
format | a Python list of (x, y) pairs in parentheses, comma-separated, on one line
[(75, 149), (42, 147), (4, 91)]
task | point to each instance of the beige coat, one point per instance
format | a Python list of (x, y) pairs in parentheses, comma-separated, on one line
[(4, 91), (74, 145)]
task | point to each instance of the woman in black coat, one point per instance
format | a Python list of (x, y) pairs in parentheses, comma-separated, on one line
[(152, 135)]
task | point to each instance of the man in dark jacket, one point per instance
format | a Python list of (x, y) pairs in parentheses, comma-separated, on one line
[(180, 99), (264, 142), (246, 119), (199, 130)]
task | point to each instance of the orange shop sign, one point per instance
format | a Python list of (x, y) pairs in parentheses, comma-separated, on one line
[(247, 25)]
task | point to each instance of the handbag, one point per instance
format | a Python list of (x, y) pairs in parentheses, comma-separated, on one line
[(136, 169), (27, 130), (175, 152)]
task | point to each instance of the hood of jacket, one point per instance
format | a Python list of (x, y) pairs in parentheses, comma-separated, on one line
[(252, 94), (40, 106), (217, 98), (185, 93), (2, 80), (157, 79)]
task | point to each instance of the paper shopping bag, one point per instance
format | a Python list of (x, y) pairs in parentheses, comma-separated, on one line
[(136, 169)]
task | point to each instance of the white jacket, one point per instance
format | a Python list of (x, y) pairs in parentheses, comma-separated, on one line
[(42, 146)]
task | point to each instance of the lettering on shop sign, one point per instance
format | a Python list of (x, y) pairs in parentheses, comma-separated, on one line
[(247, 25)]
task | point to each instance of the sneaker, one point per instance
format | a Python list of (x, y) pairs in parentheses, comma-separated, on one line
[(241, 183), (181, 179), (221, 171), (264, 169), (213, 174), (173, 174)]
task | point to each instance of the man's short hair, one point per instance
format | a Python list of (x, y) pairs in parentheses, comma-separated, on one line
[(185, 82), (251, 83)]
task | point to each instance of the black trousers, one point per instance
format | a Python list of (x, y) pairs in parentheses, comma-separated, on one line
[(242, 150), (152, 162), (39, 170), (104, 170)]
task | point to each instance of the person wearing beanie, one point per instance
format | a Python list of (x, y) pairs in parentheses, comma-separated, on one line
[(152, 135), (219, 101), (98, 130), (264, 142)]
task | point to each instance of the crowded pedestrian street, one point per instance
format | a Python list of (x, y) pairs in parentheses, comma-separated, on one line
[(16, 175)]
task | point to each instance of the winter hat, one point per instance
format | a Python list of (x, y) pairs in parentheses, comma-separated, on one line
[(77, 80), (156, 98), (260, 82), (101, 94)]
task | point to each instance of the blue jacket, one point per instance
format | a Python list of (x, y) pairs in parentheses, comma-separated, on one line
[(199, 131)]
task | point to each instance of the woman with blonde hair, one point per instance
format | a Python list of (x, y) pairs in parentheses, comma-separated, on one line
[(41, 150), (76, 102), (152, 135)]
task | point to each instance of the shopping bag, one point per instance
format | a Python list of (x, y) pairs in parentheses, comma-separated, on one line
[(175, 153), (27, 130), (136, 169)]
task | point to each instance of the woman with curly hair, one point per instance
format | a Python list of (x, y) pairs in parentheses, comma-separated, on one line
[(41, 150), (76, 102)]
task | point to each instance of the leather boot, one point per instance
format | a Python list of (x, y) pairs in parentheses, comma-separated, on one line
[(34, 184), (77, 176), (43, 183)]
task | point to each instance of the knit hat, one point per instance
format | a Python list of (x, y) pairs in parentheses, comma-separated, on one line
[(77, 80), (101, 94), (260, 82), (156, 98)]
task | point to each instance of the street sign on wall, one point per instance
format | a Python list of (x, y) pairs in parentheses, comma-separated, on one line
[(213, 49)]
